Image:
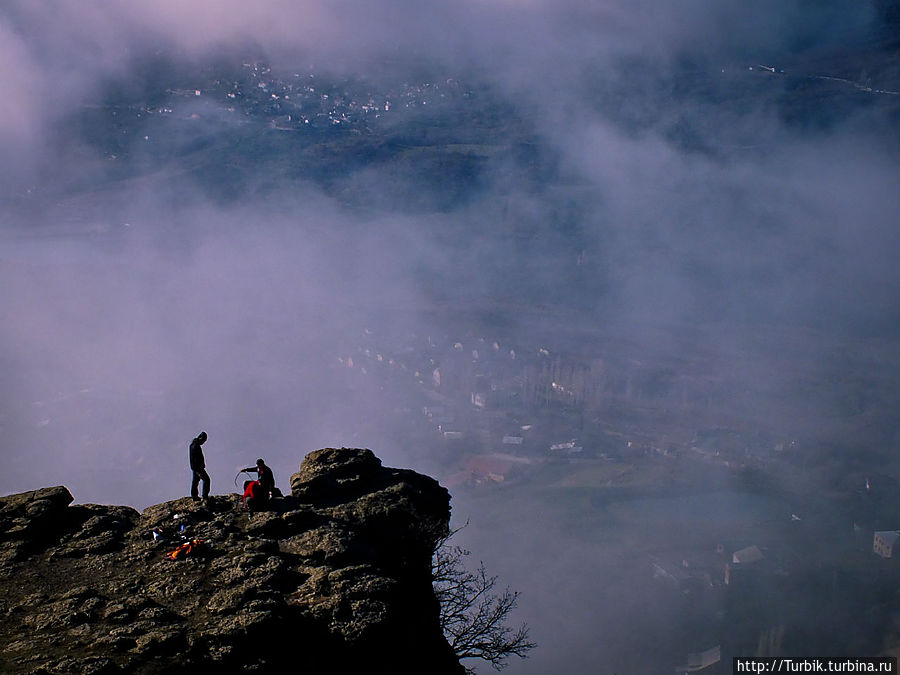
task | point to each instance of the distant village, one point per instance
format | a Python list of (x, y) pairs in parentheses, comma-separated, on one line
[(510, 406), (307, 101), (506, 413)]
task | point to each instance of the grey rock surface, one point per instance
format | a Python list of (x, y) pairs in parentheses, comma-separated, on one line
[(334, 578)]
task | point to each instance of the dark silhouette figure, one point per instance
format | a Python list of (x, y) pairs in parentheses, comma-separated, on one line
[(257, 493), (264, 475), (198, 467)]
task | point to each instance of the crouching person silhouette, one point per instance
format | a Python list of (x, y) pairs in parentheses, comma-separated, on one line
[(258, 493)]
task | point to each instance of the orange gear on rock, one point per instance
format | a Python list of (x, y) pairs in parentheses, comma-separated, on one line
[(188, 548)]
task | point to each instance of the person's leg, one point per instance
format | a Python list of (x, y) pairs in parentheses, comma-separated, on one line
[(205, 477), (195, 481)]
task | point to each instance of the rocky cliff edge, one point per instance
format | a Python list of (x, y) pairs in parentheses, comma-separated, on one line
[(335, 578)]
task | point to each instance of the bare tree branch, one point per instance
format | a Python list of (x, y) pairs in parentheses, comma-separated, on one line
[(473, 612)]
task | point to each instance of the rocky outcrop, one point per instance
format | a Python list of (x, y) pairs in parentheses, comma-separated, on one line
[(334, 578)]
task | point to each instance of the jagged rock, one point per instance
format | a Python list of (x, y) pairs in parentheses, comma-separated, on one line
[(331, 475), (334, 578)]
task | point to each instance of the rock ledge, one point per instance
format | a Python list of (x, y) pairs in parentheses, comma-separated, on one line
[(335, 578)]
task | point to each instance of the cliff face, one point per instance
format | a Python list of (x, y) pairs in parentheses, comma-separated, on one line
[(335, 578)]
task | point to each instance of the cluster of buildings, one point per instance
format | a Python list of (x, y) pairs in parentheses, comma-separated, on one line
[(778, 600), (488, 396), (503, 410), (307, 100)]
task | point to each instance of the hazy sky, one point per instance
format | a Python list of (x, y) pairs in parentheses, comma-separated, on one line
[(135, 315)]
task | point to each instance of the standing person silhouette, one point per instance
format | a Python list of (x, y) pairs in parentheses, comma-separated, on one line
[(198, 468)]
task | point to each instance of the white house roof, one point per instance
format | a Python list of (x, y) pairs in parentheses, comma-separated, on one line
[(751, 554)]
